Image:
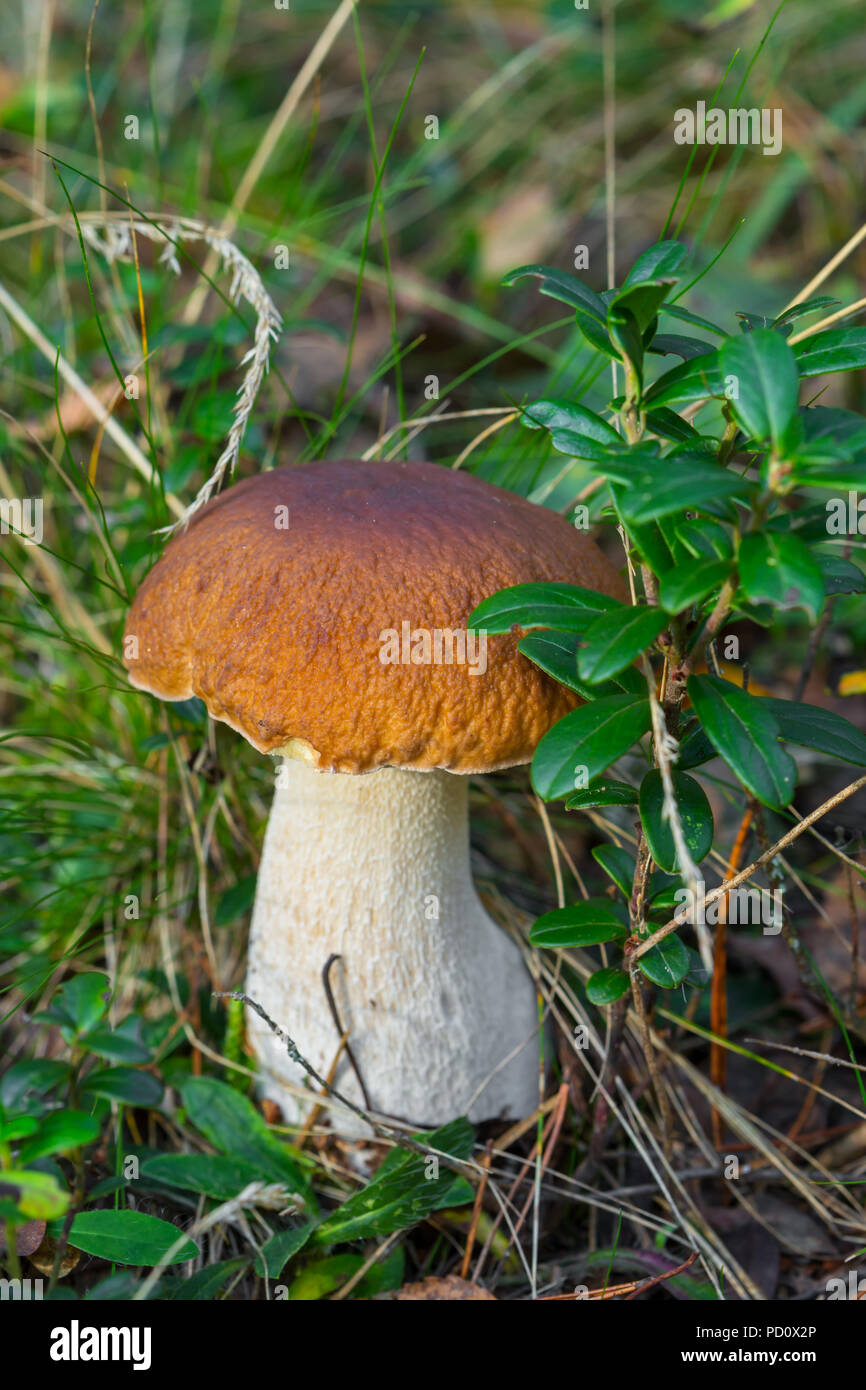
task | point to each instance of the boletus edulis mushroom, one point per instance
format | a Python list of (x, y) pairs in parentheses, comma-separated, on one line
[(321, 612)]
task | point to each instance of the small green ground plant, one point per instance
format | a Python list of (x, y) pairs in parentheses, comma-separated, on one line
[(729, 523)]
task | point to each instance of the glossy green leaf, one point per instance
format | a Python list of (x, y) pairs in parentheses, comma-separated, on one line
[(694, 380), (618, 864), (695, 814), (204, 1284), (767, 385), (777, 568), (567, 607), (402, 1193), (556, 653), (234, 1126), (840, 576), (85, 998), (667, 964), (281, 1248), (606, 986), (32, 1077), (124, 1084), (614, 640), (670, 485), (747, 736), (679, 345), (589, 738), (129, 1238), (567, 288), (589, 923), (686, 316), (556, 415), (814, 727), (834, 350), (695, 747), (58, 1133), (704, 538), (212, 1175), (625, 335), (659, 264), (115, 1045), (689, 584), (602, 791)]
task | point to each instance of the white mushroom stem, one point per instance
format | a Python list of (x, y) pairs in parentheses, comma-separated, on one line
[(439, 1008)]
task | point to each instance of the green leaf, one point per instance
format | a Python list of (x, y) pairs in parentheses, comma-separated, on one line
[(18, 1127), (233, 1125), (647, 285), (59, 1132), (556, 653), (838, 574), (695, 747), (566, 607), (115, 1045), (625, 334), (401, 1193), (37, 1196), (686, 316), (568, 289), (667, 964), (618, 864), (672, 484), (559, 415), (704, 538), (691, 381), (778, 568), (696, 818), (589, 923), (680, 346), (669, 425), (602, 791), (659, 264), (615, 639), (765, 404), (320, 1277), (814, 727), (124, 1084), (34, 1076), (689, 584), (591, 737), (128, 1237), (746, 735), (807, 306), (85, 999), (281, 1248), (213, 1175), (606, 986), (204, 1285), (836, 350), (235, 901)]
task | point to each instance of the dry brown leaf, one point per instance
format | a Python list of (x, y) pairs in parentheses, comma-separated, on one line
[(451, 1287)]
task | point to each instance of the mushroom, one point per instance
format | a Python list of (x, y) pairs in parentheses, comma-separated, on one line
[(321, 612)]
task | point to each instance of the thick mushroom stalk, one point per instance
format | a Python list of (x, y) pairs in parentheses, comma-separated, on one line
[(439, 1007)]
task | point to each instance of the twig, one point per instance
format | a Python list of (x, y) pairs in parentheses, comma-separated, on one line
[(476, 1211), (342, 1032), (719, 993), (385, 1131), (752, 868)]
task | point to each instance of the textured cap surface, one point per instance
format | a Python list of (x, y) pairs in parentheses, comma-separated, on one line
[(278, 603)]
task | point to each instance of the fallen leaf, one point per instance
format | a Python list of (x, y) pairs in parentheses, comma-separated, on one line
[(451, 1288)]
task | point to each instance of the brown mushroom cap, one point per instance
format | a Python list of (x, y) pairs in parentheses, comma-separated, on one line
[(279, 628)]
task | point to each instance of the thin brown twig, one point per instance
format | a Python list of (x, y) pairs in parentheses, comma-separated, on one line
[(752, 868)]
